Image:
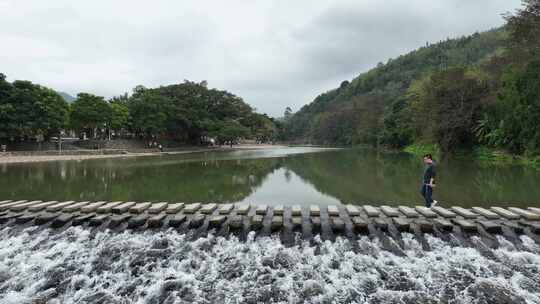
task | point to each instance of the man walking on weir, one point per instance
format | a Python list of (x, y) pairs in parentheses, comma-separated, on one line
[(428, 181)]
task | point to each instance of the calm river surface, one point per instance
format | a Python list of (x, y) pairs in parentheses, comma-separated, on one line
[(273, 176)]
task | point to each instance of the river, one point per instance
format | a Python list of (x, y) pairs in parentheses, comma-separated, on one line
[(272, 176), (95, 265)]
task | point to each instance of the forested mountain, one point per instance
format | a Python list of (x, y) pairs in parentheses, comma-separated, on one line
[(352, 112), (459, 93)]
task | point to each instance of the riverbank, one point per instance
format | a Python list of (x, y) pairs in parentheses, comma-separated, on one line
[(480, 154), (47, 156)]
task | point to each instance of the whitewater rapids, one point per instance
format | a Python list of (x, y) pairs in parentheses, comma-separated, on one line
[(80, 266)]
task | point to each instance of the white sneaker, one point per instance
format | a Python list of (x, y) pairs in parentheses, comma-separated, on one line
[(434, 203)]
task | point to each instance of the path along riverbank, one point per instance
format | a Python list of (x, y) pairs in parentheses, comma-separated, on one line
[(6, 158)]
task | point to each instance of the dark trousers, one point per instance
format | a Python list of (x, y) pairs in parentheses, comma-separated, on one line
[(427, 193)]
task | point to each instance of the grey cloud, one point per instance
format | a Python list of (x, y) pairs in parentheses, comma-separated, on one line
[(348, 37), (272, 53)]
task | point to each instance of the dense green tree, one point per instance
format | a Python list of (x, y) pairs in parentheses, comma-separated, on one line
[(287, 114), (336, 127), (119, 116), (229, 131), (368, 111), (5, 87), (519, 110), (185, 112), (7, 109), (524, 28), (149, 113), (447, 106), (56, 113), (189, 111), (29, 110), (90, 114), (397, 125), (193, 103), (261, 127), (510, 121), (279, 127)]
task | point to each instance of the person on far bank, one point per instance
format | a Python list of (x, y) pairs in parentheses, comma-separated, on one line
[(428, 181)]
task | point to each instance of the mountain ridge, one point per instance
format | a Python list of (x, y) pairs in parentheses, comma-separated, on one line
[(387, 83), (67, 97)]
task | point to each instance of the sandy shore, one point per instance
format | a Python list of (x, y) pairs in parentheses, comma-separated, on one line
[(46, 158)]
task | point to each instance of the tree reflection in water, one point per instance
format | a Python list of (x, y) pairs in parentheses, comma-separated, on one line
[(278, 176)]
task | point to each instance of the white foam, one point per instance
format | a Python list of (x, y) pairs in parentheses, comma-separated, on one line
[(125, 268)]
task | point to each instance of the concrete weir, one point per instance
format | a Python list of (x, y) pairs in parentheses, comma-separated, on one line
[(454, 223)]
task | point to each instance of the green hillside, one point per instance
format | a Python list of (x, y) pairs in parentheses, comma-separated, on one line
[(470, 94), (352, 113)]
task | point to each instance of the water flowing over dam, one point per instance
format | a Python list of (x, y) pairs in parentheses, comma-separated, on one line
[(127, 252), (80, 266)]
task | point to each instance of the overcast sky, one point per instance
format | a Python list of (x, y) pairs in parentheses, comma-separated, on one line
[(272, 53)]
